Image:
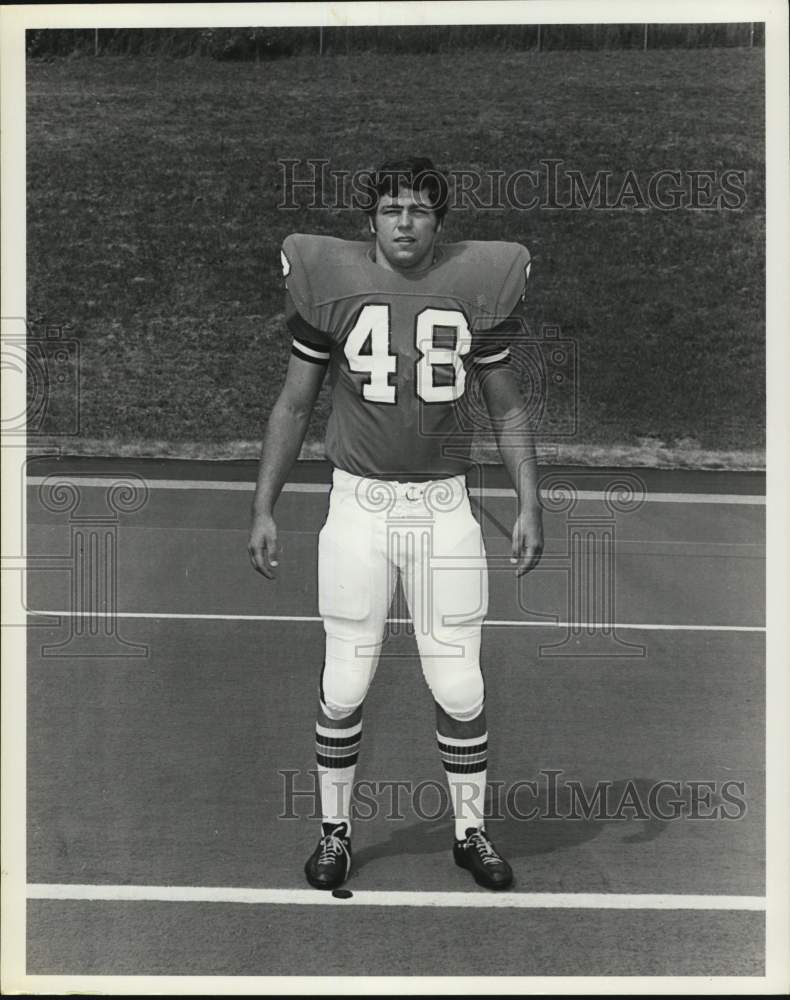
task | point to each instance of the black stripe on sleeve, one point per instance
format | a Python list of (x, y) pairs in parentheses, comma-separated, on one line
[(309, 357)]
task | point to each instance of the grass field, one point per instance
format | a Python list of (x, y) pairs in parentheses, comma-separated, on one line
[(154, 227)]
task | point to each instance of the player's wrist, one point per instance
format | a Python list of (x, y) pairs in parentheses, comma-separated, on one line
[(263, 510), (530, 509)]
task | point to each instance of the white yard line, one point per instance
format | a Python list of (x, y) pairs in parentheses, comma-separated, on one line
[(485, 492), (312, 897), (515, 623)]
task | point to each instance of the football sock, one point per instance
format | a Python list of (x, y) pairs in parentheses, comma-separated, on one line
[(336, 752), (465, 762)]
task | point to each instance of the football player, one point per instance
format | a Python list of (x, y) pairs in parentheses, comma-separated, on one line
[(403, 324)]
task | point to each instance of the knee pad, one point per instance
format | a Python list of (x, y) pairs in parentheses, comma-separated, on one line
[(451, 665), (348, 671), (460, 692)]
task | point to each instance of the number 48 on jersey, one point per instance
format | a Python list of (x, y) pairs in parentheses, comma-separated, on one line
[(368, 345)]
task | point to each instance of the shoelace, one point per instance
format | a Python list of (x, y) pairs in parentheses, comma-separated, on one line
[(484, 848), (331, 847)]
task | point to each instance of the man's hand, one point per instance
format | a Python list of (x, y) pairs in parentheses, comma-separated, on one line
[(527, 541), (263, 547)]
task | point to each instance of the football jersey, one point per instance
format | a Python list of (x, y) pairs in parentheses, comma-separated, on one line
[(401, 347)]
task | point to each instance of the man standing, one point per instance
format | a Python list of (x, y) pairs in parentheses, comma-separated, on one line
[(404, 325)]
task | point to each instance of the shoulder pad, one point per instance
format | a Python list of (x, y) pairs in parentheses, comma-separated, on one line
[(495, 275), (316, 269)]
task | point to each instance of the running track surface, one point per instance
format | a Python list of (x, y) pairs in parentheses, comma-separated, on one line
[(157, 779)]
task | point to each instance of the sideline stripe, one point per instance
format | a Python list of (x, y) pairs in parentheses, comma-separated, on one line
[(516, 623), (312, 897), (486, 492)]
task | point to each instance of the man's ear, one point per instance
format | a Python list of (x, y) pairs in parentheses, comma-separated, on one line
[(370, 223)]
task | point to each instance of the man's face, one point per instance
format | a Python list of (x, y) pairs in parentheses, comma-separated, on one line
[(405, 227)]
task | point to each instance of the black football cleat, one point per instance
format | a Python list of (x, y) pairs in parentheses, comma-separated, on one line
[(477, 855), (329, 864)]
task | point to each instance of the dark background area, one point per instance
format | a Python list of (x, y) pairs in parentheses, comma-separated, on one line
[(155, 192)]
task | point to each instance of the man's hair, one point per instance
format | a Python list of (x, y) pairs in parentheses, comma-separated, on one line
[(417, 173)]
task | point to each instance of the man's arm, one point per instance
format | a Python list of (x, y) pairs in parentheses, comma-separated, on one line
[(282, 441), (517, 448)]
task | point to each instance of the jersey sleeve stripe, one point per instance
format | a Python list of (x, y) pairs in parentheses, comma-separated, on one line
[(308, 352), (489, 359)]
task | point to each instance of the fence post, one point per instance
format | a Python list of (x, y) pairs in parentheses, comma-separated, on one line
[(751, 35), (95, 41), (320, 39), (540, 40), (644, 42)]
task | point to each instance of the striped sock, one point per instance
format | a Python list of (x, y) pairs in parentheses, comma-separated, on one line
[(465, 762), (336, 752)]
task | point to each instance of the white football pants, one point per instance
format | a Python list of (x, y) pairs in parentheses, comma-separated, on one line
[(425, 532)]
